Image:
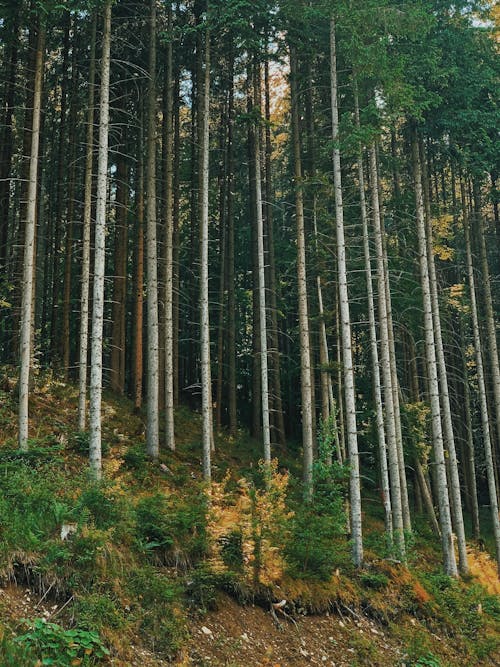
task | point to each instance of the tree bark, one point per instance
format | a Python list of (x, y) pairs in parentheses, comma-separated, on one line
[(87, 213), (29, 245), (100, 255), (345, 320), (450, 566)]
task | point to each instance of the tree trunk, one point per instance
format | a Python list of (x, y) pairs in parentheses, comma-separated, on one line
[(345, 320), (87, 213), (231, 297), (152, 427), (305, 351), (100, 255), (450, 566), (387, 378), (139, 275), (206, 382), (29, 245), (169, 236), (454, 479), (485, 422)]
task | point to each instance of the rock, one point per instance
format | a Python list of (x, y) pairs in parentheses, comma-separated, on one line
[(206, 631)]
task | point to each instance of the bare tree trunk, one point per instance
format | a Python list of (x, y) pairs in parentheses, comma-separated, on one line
[(390, 422), (169, 235), (450, 566), (345, 320), (152, 428), (489, 311), (305, 351), (139, 277), (377, 391), (454, 481), (29, 245), (87, 212), (206, 382), (485, 422), (100, 255), (275, 350), (231, 300)]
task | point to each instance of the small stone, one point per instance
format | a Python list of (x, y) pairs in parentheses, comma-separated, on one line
[(206, 631)]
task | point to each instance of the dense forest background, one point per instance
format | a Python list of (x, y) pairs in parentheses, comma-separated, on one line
[(283, 216)]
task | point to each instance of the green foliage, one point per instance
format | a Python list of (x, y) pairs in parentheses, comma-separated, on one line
[(231, 549), (427, 660), (155, 606), (98, 611), (14, 655), (63, 648), (79, 441), (375, 580), (312, 549), (173, 529)]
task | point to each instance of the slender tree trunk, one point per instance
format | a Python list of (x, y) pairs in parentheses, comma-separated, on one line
[(377, 391), (169, 236), (100, 255), (345, 320), (231, 297), (120, 279), (152, 428), (454, 481), (450, 566), (29, 245), (206, 382), (87, 213), (489, 310), (305, 346), (273, 290), (485, 422), (266, 429), (139, 277), (392, 446)]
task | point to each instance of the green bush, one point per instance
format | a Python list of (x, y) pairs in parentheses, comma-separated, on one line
[(317, 525), (79, 441), (63, 648), (172, 530), (97, 611), (231, 549), (161, 621), (374, 580), (14, 655)]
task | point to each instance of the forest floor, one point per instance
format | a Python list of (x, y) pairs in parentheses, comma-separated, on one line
[(161, 584)]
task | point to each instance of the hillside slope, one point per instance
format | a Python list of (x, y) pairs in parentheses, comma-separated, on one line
[(164, 576)]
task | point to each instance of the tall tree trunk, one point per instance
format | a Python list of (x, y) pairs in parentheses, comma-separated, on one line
[(169, 236), (387, 378), (489, 311), (206, 381), (231, 297), (450, 566), (152, 428), (100, 255), (139, 275), (264, 375), (485, 422), (29, 245), (377, 391), (454, 479), (273, 289), (120, 279), (87, 213), (305, 351), (345, 320)]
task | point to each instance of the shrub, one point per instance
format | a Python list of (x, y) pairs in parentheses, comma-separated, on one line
[(98, 611), (374, 580), (172, 530), (310, 550), (79, 441), (56, 646)]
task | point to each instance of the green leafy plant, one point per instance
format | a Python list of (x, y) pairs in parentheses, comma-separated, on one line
[(63, 648)]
